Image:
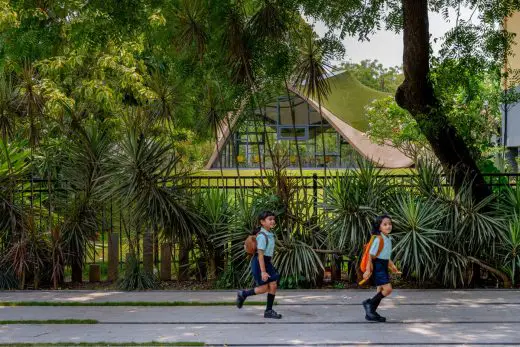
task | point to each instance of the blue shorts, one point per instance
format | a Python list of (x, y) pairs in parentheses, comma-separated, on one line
[(269, 268), (380, 275)]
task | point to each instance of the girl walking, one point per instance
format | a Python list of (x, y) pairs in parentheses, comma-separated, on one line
[(378, 265), (262, 269)]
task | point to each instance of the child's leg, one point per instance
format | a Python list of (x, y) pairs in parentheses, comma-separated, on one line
[(270, 296), (269, 312), (255, 291), (243, 294), (387, 289), (382, 292)]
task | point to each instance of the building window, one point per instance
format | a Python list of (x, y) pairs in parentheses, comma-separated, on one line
[(289, 132)]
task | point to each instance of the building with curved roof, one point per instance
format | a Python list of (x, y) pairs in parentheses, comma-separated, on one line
[(330, 135)]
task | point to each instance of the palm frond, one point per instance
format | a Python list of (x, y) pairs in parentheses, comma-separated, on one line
[(353, 200), (418, 224), (510, 249), (310, 72), (7, 107), (297, 258), (268, 21), (143, 179), (30, 102), (192, 16), (237, 42)]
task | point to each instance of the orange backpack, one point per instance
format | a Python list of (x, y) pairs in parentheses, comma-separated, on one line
[(366, 252), (250, 243)]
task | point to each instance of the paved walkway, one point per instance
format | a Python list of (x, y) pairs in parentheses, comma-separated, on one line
[(311, 318)]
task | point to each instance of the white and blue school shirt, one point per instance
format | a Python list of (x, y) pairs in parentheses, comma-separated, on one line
[(265, 245), (386, 252)]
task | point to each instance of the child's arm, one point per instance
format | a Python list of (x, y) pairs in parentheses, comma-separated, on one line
[(368, 271), (394, 268), (261, 261)]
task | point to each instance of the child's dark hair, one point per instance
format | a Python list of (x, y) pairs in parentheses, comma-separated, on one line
[(377, 224), (263, 215)]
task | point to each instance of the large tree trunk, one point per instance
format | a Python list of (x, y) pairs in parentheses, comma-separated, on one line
[(417, 96)]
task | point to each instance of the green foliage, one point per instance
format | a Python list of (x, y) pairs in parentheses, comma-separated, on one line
[(114, 97), (85, 172), (389, 122), (232, 277), (297, 258), (470, 95), (419, 229), (136, 177), (374, 75), (135, 277), (511, 248), (293, 282), (8, 278), (353, 200)]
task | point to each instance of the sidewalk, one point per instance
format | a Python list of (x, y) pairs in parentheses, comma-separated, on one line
[(313, 318)]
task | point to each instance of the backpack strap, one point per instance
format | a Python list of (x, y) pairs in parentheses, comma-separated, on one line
[(380, 245), (266, 238)]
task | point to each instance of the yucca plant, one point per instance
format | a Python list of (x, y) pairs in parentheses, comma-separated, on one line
[(7, 106), (478, 226), (213, 205), (243, 220), (191, 25), (268, 21), (310, 74), (297, 233), (352, 201), (77, 233), (135, 278), (418, 224), (17, 256), (451, 268), (31, 102), (143, 177), (146, 183), (13, 166), (85, 172), (511, 247), (430, 181), (8, 278), (474, 229), (510, 201), (296, 258)]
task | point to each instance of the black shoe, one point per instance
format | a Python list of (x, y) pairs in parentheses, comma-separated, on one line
[(367, 305), (379, 317), (240, 299), (375, 318), (272, 314)]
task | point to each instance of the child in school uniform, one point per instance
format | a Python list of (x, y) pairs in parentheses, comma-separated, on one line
[(378, 266), (262, 269)]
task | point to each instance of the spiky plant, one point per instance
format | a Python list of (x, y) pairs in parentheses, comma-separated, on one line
[(85, 173), (510, 248), (135, 278), (213, 205), (353, 200), (418, 231)]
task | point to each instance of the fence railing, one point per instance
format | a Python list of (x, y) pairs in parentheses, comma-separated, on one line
[(47, 202)]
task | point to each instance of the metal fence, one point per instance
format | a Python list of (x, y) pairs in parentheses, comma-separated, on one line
[(47, 204)]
